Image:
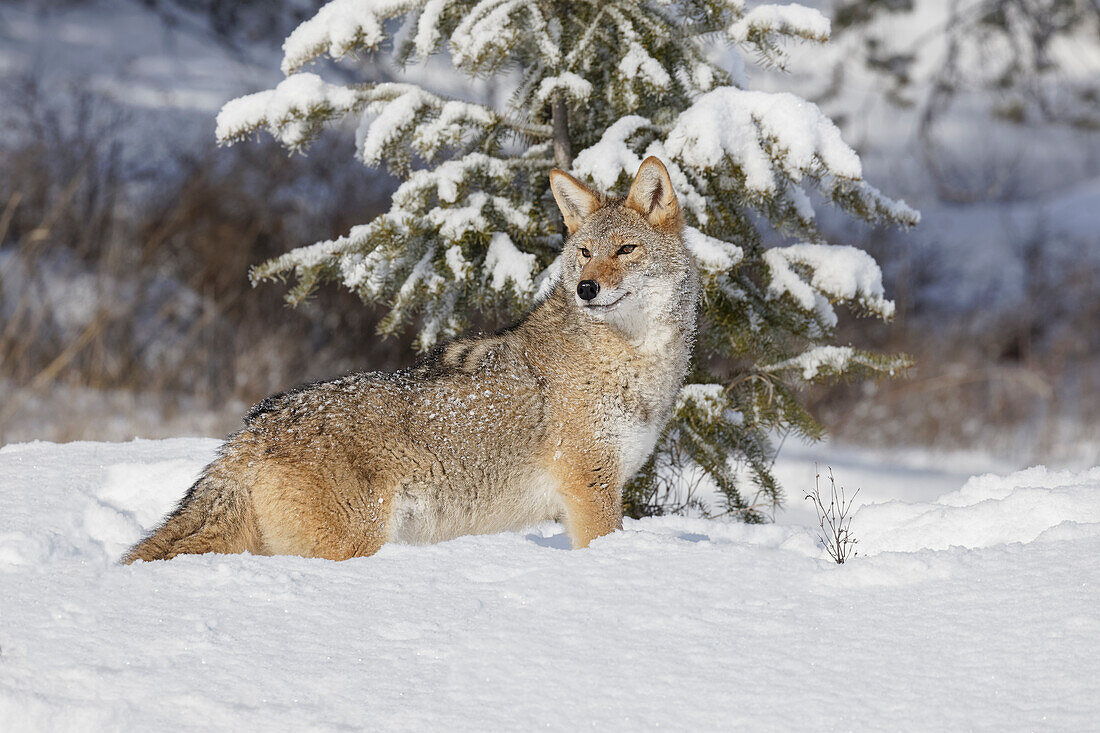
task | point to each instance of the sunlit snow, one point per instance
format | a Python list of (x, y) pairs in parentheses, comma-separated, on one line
[(973, 610)]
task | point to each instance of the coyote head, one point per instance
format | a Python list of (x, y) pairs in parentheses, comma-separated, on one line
[(625, 260)]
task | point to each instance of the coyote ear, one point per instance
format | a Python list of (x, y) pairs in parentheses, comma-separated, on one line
[(575, 199), (652, 196)]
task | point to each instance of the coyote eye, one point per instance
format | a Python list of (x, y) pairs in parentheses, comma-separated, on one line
[(585, 252), (626, 249)]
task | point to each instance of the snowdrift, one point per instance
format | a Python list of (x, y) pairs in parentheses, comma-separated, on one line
[(976, 610)]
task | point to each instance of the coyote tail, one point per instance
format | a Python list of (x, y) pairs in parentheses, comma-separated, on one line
[(214, 516)]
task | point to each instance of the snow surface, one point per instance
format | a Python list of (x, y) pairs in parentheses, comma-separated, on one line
[(975, 610)]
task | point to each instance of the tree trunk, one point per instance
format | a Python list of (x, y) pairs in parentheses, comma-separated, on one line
[(563, 154)]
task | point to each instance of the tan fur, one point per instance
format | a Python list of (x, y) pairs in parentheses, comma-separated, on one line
[(545, 420)]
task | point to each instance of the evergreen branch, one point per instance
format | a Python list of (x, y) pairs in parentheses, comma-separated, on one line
[(341, 27), (765, 25), (293, 112)]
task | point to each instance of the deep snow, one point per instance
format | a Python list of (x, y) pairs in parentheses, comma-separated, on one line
[(976, 610)]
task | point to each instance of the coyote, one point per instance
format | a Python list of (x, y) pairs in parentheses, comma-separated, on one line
[(544, 420)]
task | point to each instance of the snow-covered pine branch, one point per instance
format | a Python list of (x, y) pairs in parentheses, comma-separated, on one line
[(293, 112), (343, 27), (769, 143), (296, 110), (821, 362), (835, 274), (766, 26)]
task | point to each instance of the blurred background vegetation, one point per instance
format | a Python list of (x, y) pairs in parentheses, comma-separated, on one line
[(126, 234)]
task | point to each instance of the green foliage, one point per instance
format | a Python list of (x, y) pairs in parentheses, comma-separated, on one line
[(614, 80)]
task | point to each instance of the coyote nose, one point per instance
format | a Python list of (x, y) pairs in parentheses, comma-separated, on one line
[(587, 289)]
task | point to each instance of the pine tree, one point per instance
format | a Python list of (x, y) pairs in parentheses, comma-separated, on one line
[(598, 86)]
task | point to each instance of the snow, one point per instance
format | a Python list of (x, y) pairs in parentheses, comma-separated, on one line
[(637, 63), (604, 161), (340, 27), (839, 272), (275, 109), (738, 124), (427, 28), (757, 134), (811, 362), (454, 119), (714, 256), (972, 610), (988, 510), (422, 274), (490, 28), (367, 273), (709, 398), (396, 109), (384, 128), (611, 158), (787, 20), (1003, 179), (504, 263), (570, 84), (446, 177), (457, 221), (460, 267)]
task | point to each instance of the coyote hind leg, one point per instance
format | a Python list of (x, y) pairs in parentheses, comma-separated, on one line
[(335, 517)]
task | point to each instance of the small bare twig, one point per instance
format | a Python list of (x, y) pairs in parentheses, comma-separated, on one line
[(834, 520)]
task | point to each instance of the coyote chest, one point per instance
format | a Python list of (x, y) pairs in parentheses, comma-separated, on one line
[(634, 440), (636, 404)]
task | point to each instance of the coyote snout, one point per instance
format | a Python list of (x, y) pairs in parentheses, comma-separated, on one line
[(587, 289), (544, 420)]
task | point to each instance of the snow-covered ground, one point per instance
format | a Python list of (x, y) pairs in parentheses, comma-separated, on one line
[(972, 605)]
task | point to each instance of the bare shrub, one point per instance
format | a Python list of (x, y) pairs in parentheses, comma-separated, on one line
[(833, 518)]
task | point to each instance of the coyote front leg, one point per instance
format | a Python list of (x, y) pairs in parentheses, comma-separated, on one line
[(591, 490)]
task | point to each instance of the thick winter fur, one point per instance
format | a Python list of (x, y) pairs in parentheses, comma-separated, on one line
[(545, 420)]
